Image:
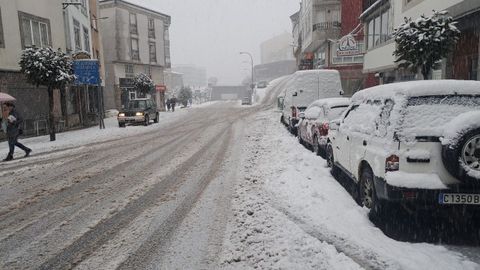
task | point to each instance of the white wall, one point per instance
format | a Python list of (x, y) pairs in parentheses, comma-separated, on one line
[(381, 58), (48, 9), (71, 13)]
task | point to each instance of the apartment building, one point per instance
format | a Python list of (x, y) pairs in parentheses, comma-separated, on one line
[(23, 25), (381, 17), (137, 39)]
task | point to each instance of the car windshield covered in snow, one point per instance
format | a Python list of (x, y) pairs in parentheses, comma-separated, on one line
[(137, 104), (336, 112), (427, 115)]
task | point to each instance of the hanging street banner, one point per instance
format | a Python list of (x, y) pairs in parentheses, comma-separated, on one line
[(86, 72), (348, 46)]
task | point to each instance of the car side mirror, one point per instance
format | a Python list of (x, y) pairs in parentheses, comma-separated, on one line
[(334, 124), (342, 93)]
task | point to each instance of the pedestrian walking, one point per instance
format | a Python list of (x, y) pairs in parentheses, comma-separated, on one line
[(14, 130), (173, 103), (169, 104)]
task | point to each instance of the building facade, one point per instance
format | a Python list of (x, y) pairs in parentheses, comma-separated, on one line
[(138, 42), (23, 25), (193, 76), (278, 48), (314, 26), (381, 17)]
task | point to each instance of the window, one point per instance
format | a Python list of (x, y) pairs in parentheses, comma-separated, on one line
[(35, 31), (86, 39), (384, 33), (77, 35), (370, 34), (151, 28), (148, 71), (134, 49), (2, 40), (153, 51), (378, 28), (129, 71), (133, 24)]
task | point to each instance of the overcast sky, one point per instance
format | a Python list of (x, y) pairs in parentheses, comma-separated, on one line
[(211, 33)]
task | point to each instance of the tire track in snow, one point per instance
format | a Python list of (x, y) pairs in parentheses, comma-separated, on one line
[(141, 258), (104, 230)]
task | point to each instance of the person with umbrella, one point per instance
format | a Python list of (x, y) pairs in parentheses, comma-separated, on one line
[(14, 130)]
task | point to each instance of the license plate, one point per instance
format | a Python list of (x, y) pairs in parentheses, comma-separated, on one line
[(454, 198)]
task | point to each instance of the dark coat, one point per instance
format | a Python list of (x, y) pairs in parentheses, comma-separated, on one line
[(14, 128)]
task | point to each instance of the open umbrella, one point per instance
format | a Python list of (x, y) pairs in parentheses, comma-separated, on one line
[(6, 97)]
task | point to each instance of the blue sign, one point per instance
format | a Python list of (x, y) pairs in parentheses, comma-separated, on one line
[(86, 72)]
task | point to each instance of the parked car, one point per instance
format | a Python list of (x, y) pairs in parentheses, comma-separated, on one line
[(246, 101), (305, 87), (314, 125), (138, 111), (413, 144), (262, 84)]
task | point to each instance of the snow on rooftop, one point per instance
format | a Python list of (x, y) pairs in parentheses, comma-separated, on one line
[(332, 102), (419, 88)]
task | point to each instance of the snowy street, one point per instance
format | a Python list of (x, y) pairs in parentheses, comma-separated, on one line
[(219, 186)]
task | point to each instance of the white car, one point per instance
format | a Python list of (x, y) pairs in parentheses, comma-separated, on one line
[(303, 88), (314, 124), (413, 144)]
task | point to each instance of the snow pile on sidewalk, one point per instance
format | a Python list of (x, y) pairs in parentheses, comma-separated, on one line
[(289, 213), (261, 93)]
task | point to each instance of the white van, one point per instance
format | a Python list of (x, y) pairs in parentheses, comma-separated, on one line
[(304, 88)]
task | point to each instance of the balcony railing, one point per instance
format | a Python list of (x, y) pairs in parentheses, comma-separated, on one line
[(326, 25)]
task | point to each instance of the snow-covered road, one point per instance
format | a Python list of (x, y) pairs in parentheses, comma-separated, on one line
[(216, 187)]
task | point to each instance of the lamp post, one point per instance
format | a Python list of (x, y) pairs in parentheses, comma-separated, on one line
[(251, 60)]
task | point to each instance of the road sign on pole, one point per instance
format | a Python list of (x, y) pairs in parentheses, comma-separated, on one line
[(86, 72)]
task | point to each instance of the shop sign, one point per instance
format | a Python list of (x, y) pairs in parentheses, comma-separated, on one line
[(347, 46), (160, 88)]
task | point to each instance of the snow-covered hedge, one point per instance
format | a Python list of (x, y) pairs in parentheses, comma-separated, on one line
[(143, 83), (421, 43), (44, 66)]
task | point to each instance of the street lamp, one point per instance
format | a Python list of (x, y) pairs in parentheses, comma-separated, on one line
[(251, 59)]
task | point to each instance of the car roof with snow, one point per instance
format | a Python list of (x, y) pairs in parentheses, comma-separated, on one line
[(419, 88), (331, 102)]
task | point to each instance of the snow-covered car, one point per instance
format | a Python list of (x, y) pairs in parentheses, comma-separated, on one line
[(262, 84), (138, 111), (314, 125), (303, 88), (412, 144)]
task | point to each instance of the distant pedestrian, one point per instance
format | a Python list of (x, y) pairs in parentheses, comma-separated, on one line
[(14, 130), (173, 102), (169, 104)]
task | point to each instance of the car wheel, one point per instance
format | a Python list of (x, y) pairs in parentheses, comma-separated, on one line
[(462, 157), (157, 115), (147, 120), (122, 125), (368, 196), (330, 158)]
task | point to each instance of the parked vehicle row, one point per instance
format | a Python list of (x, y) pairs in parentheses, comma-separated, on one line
[(412, 145), (305, 87)]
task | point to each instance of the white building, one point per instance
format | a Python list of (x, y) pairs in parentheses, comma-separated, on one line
[(317, 22), (136, 40), (383, 16), (193, 76), (24, 24), (77, 27), (278, 48)]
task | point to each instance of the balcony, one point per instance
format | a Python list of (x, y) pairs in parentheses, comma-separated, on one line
[(323, 31)]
